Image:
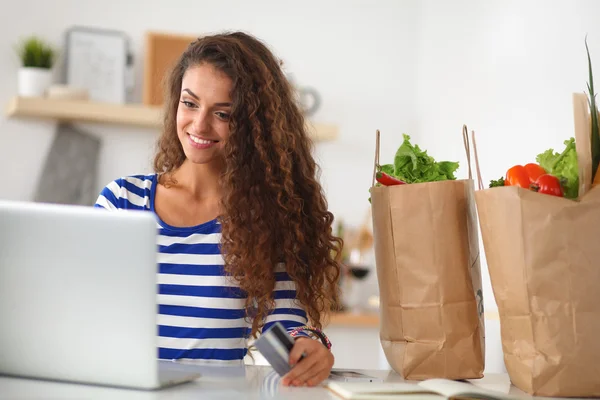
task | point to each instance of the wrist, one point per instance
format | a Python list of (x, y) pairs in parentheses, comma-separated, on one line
[(310, 332)]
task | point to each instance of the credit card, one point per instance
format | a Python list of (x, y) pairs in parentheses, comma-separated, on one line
[(275, 346)]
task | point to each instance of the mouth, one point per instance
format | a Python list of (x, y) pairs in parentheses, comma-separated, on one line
[(202, 141)]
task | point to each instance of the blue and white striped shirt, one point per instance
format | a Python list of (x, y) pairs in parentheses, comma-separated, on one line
[(201, 310)]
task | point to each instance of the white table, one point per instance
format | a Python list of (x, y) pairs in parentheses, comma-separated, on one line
[(249, 382)]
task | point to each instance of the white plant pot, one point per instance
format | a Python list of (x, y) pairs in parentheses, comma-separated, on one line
[(34, 81)]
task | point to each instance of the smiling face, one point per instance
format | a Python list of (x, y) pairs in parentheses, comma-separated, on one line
[(203, 113)]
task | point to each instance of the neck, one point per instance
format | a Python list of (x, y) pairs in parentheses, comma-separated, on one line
[(200, 180)]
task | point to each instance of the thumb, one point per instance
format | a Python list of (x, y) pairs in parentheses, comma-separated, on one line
[(299, 350)]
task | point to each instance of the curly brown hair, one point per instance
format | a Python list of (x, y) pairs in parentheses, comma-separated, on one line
[(274, 209)]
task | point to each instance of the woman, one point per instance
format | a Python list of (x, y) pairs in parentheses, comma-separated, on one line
[(245, 238)]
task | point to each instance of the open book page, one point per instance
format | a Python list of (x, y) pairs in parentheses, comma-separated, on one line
[(462, 390), (429, 389), (381, 391)]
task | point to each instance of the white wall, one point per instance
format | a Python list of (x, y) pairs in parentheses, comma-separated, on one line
[(507, 69)]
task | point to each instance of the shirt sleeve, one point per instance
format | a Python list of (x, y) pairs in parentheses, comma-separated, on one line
[(127, 193), (287, 309), (109, 196)]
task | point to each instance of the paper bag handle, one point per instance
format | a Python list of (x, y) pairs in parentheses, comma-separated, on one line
[(468, 150), (376, 157), (465, 134), (583, 145)]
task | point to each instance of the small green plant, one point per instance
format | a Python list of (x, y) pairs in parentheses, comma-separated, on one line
[(36, 53)]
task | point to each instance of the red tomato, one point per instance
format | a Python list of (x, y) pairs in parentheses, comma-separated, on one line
[(534, 171), (517, 176), (548, 184)]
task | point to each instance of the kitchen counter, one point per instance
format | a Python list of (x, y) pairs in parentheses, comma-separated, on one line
[(239, 383)]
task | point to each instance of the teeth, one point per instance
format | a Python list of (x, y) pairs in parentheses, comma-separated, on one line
[(200, 141)]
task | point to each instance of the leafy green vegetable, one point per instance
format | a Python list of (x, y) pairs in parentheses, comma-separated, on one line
[(497, 183), (447, 168), (564, 166), (412, 165), (388, 169)]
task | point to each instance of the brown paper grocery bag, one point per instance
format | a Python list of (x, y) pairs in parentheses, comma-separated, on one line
[(543, 254), (427, 256)]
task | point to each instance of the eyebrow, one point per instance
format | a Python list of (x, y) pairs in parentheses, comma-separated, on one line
[(191, 93), (198, 98)]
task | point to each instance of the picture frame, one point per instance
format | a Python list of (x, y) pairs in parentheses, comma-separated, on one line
[(96, 60)]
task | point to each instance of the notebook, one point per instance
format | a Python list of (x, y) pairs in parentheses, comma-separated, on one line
[(429, 389)]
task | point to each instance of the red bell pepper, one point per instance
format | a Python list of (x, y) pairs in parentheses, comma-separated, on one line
[(548, 184), (523, 176), (387, 180)]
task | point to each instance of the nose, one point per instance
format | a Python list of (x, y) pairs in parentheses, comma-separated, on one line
[(201, 123)]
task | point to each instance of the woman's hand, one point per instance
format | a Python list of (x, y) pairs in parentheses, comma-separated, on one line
[(313, 369)]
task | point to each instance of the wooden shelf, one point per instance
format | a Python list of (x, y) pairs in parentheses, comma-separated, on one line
[(106, 113), (371, 320), (84, 111), (366, 320)]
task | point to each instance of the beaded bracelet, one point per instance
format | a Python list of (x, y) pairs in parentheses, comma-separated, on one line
[(315, 331)]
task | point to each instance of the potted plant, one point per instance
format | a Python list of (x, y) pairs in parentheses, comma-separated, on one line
[(35, 74)]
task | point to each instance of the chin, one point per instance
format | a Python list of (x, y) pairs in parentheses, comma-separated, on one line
[(196, 156), (194, 159)]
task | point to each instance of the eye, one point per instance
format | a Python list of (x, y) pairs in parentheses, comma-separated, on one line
[(222, 115), (188, 104)]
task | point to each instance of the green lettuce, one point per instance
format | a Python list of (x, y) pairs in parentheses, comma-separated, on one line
[(388, 169), (413, 165), (564, 166)]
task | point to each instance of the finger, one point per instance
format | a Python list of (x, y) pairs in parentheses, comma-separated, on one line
[(300, 348), (295, 354), (307, 370), (319, 377), (312, 375), (303, 367), (306, 348), (324, 361), (324, 373)]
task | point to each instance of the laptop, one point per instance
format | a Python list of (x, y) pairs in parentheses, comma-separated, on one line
[(78, 296)]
